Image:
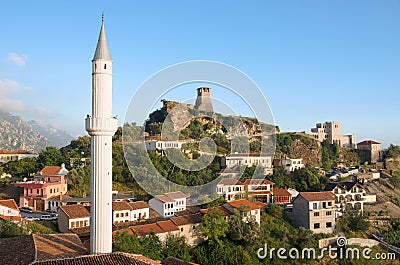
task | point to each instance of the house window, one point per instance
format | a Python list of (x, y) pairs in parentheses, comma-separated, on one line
[(324, 204), (329, 203), (316, 226), (316, 214), (181, 229), (193, 227), (117, 215), (328, 224), (329, 213), (126, 214), (314, 205)]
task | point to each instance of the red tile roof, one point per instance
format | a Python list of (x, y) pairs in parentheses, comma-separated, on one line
[(248, 155), (75, 211), (15, 152), (17, 219), (26, 249), (258, 182), (368, 142), (318, 196), (138, 205), (10, 203), (51, 170), (61, 197), (121, 206), (164, 198), (220, 208), (238, 203), (281, 192), (167, 226), (229, 181), (187, 219), (116, 258), (176, 195)]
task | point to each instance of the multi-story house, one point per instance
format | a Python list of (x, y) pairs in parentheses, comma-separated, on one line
[(8, 156), (230, 189), (51, 181), (124, 211), (189, 227), (9, 208), (260, 189), (234, 160), (315, 211), (349, 193), (292, 164), (163, 145), (331, 131), (167, 204), (369, 151), (282, 196), (247, 208), (72, 216)]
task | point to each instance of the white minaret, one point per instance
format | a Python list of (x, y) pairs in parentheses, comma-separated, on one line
[(101, 127)]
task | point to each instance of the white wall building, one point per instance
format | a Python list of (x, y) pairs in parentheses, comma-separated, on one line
[(230, 189), (162, 145), (9, 208), (292, 164), (167, 204), (124, 211), (72, 216)]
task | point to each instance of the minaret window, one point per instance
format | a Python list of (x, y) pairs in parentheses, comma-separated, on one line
[(105, 66)]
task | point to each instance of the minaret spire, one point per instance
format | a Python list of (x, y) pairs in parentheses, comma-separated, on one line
[(101, 126), (102, 51)]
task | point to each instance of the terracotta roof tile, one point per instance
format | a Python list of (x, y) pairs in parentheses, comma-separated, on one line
[(238, 203), (15, 152), (164, 198), (10, 203), (121, 206), (40, 247), (229, 181), (75, 211), (147, 229), (281, 192), (318, 196), (258, 182), (368, 142), (167, 226), (176, 195), (187, 219), (116, 258), (138, 205), (51, 170)]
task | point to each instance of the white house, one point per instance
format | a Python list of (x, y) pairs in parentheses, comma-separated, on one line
[(139, 210), (124, 211), (167, 204), (9, 208), (247, 208), (162, 145), (260, 189), (234, 160), (292, 164), (72, 216), (230, 189)]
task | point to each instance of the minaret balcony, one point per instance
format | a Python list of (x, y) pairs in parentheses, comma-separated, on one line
[(101, 126)]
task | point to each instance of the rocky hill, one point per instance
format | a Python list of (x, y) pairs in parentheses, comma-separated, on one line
[(16, 133)]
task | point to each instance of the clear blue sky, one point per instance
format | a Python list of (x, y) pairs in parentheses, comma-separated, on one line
[(315, 61)]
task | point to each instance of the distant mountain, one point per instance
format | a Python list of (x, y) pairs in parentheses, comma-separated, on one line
[(16, 133), (55, 136)]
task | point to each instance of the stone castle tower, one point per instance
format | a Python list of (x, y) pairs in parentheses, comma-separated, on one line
[(203, 101), (101, 126)]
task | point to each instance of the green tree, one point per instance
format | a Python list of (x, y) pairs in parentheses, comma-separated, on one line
[(51, 156), (23, 167), (353, 220), (11, 229), (214, 226), (176, 246)]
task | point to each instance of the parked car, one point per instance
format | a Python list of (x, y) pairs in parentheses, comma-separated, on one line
[(25, 210), (46, 217)]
